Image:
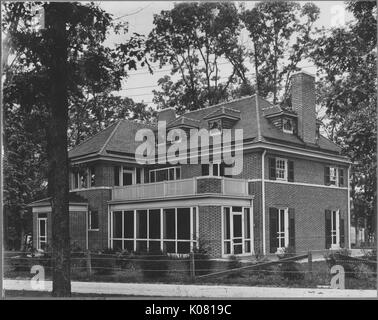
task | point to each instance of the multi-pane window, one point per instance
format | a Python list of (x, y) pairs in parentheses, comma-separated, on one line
[(92, 177), (335, 229), (237, 230), (172, 230), (126, 176), (283, 228), (214, 169), (333, 175), (288, 126), (165, 174), (42, 231), (281, 169), (82, 178)]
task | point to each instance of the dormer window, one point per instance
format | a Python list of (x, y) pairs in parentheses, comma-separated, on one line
[(288, 126)]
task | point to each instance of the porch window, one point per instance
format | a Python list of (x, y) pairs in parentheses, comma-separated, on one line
[(237, 230), (165, 174), (172, 230)]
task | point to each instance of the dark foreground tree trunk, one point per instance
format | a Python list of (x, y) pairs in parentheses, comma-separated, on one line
[(57, 149)]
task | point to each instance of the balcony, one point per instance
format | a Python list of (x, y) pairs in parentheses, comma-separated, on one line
[(184, 187)]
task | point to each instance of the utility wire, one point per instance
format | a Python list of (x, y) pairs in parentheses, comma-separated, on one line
[(133, 13)]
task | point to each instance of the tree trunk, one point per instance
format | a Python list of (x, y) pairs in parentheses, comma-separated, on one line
[(57, 149)]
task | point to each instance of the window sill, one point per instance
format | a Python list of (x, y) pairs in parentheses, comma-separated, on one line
[(93, 229)]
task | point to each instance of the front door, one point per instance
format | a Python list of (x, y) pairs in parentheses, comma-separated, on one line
[(42, 233), (237, 232)]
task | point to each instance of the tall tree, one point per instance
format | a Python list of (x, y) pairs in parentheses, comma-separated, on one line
[(51, 68), (281, 35), (346, 60), (194, 38)]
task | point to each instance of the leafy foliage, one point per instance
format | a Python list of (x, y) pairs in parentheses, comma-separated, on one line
[(281, 35), (346, 58), (193, 38)]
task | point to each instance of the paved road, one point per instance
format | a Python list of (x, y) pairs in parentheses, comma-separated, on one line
[(194, 291)]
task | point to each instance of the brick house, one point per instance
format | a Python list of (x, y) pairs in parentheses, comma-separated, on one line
[(292, 190)]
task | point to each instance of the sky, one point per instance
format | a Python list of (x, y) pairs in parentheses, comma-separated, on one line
[(139, 15)]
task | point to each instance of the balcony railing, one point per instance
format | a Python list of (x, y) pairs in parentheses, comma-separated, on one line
[(183, 187)]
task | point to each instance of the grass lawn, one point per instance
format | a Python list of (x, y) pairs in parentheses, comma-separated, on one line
[(43, 294), (286, 275)]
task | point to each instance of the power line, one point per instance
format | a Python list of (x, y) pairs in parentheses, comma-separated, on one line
[(133, 13), (155, 86)]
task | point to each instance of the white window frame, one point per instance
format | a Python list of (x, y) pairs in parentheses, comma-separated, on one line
[(193, 240), (90, 221), (283, 237), (335, 229), (39, 240), (292, 126), (78, 176), (154, 171), (231, 231), (132, 171), (280, 169), (333, 182)]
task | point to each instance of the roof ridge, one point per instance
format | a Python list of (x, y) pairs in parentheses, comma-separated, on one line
[(110, 136), (92, 136)]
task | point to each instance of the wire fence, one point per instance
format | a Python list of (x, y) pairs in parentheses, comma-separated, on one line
[(199, 267)]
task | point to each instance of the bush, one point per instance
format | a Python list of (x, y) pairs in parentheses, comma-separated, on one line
[(154, 265), (104, 263), (290, 270), (202, 259), (234, 263), (340, 257)]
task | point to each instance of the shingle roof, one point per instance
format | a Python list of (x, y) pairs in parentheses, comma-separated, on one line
[(72, 197), (120, 137), (183, 121), (224, 111)]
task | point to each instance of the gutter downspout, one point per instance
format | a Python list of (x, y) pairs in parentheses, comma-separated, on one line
[(349, 216), (87, 227), (263, 199)]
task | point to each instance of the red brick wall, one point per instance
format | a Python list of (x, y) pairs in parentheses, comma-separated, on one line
[(251, 166), (305, 170), (209, 185), (97, 200), (210, 228), (77, 229), (310, 204)]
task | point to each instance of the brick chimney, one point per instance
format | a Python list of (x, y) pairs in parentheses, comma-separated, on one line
[(168, 115), (303, 102)]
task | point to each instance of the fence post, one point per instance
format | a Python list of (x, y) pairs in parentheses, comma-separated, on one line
[(310, 264), (192, 267), (89, 263)]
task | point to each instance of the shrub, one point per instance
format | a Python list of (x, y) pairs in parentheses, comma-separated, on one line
[(202, 260), (290, 270), (340, 257), (234, 263), (154, 265), (104, 263)]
